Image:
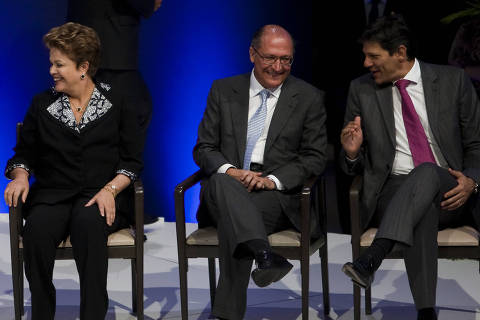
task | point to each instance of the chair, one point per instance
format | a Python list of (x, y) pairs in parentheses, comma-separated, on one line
[(203, 243), (123, 244), (456, 243)]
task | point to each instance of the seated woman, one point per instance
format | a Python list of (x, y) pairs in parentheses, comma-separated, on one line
[(82, 145)]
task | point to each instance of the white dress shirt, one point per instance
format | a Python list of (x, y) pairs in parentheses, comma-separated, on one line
[(254, 103), (403, 162)]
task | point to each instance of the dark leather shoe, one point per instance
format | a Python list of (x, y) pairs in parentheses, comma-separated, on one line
[(359, 275), (427, 314), (271, 267)]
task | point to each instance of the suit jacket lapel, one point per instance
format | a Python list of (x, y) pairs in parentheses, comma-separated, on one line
[(385, 104), (430, 91), (239, 111), (283, 109)]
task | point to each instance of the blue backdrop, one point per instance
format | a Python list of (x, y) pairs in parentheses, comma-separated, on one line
[(184, 47)]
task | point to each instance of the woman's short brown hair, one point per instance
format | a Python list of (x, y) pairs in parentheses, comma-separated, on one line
[(80, 43)]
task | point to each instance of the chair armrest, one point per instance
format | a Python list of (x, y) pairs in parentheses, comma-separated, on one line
[(139, 211), (16, 217), (179, 195), (189, 182), (305, 208), (356, 226)]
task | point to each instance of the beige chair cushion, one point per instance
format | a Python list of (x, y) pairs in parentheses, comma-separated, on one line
[(122, 237), (463, 236), (203, 237), (286, 238), (208, 237)]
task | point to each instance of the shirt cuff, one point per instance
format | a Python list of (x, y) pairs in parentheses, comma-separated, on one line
[(10, 168), (278, 184), (127, 173), (225, 167)]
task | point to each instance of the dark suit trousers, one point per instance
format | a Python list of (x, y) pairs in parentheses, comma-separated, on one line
[(45, 227), (409, 212), (240, 216)]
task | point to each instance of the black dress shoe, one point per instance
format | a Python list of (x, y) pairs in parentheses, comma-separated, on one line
[(427, 314), (360, 275), (271, 267)]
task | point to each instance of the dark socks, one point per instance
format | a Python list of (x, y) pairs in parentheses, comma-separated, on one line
[(373, 256), (249, 248), (257, 245), (427, 314)]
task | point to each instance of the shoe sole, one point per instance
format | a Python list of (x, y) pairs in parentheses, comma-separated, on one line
[(263, 278), (352, 274)]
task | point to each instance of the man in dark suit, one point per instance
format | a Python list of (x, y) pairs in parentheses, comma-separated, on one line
[(413, 132), (117, 23), (262, 135)]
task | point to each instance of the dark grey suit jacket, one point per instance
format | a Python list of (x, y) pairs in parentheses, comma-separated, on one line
[(117, 23), (453, 113), (296, 142)]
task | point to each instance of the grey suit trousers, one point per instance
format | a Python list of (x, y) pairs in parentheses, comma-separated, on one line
[(409, 212), (239, 216)]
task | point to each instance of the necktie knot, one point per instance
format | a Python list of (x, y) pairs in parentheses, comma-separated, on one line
[(402, 84), (264, 94)]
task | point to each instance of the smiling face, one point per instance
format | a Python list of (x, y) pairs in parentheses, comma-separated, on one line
[(383, 66), (273, 44), (64, 71)]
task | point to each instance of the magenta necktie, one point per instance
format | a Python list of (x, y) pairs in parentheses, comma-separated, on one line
[(417, 139)]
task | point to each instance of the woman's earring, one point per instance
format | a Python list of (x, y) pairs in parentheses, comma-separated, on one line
[(82, 76)]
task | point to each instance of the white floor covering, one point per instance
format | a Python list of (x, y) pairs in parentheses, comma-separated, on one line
[(458, 293)]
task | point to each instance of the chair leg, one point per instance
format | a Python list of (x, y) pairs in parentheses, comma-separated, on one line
[(22, 285), (134, 285), (212, 276), (323, 252), (182, 270), (139, 288), (305, 273), (15, 259), (356, 302), (368, 301)]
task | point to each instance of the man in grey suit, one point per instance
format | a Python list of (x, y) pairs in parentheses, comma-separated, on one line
[(413, 131), (262, 135)]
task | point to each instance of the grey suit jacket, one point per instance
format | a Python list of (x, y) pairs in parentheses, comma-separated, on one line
[(453, 114), (296, 142)]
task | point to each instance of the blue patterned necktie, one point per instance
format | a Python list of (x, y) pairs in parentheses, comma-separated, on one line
[(255, 128)]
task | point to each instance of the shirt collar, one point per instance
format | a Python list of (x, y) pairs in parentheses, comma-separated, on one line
[(256, 87), (414, 75)]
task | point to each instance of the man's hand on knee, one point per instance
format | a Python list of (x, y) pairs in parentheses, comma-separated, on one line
[(261, 183), (244, 176), (251, 180), (456, 197)]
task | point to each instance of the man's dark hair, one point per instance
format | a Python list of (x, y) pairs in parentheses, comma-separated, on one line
[(390, 32)]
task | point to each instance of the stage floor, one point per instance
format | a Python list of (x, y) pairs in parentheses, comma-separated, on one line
[(458, 293)]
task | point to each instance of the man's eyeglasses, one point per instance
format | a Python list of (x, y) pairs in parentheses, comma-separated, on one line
[(285, 60)]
